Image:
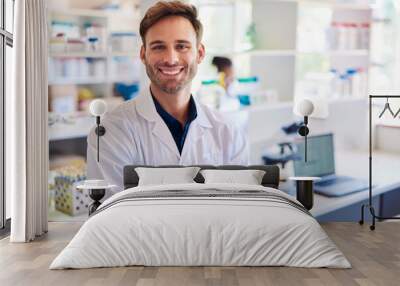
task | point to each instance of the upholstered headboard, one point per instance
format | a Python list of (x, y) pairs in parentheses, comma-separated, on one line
[(270, 179)]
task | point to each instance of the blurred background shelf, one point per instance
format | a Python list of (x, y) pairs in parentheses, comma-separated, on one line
[(90, 46), (78, 81), (96, 81), (334, 4), (126, 54), (351, 53), (272, 52), (78, 55), (70, 126), (76, 12)]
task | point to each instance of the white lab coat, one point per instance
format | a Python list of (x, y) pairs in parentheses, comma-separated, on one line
[(137, 135)]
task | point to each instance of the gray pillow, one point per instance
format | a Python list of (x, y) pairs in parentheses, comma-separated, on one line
[(248, 177), (166, 176)]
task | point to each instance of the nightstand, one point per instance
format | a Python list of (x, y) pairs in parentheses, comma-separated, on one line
[(97, 190)]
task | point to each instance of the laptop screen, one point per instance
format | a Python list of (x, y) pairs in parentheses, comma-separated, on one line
[(320, 157)]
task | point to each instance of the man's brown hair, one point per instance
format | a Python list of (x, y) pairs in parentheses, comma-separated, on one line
[(163, 9)]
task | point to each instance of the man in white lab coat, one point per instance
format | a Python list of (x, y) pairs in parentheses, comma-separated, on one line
[(165, 125)]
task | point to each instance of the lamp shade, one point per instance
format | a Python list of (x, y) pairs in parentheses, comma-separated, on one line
[(98, 107), (304, 107), (315, 107)]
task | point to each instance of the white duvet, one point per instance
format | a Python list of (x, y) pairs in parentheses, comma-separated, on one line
[(200, 231)]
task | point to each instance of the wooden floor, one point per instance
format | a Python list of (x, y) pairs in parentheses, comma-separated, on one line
[(375, 257)]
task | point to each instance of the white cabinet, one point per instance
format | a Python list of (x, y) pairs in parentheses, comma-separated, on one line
[(89, 51)]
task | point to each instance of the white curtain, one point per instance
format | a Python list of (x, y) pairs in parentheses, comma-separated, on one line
[(26, 123)]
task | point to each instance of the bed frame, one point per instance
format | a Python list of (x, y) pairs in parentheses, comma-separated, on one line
[(270, 179)]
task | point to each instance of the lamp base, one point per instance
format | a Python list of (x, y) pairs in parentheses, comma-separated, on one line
[(96, 195), (305, 190), (304, 193)]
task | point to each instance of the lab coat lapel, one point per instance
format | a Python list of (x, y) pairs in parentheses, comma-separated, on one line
[(197, 130), (161, 131), (145, 107)]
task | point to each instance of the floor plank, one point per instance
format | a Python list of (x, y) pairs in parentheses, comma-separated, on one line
[(374, 255)]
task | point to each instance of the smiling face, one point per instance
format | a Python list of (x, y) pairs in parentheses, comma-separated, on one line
[(171, 54)]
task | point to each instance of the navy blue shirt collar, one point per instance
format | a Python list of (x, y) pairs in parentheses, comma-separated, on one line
[(178, 131)]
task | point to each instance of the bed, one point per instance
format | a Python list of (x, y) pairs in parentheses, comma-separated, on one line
[(199, 224)]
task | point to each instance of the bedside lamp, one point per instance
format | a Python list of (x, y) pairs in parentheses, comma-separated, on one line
[(97, 108), (97, 188), (304, 108), (304, 185)]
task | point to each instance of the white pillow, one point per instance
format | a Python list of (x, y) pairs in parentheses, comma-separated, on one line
[(248, 177), (165, 176)]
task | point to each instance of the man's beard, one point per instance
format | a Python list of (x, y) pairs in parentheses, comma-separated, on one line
[(165, 85)]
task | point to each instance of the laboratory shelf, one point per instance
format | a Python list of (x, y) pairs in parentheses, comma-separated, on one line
[(78, 55), (74, 12), (272, 52), (78, 81), (134, 54), (350, 52), (72, 126)]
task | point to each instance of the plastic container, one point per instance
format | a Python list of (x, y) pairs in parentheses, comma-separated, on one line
[(332, 36), (246, 89), (352, 36), (342, 36), (335, 83), (123, 68), (75, 45), (127, 91), (364, 35), (58, 44), (124, 42), (354, 81), (210, 93), (345, 90), (98, 32), (92, 44)]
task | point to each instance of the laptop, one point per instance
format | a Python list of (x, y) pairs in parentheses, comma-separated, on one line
[(321, 163)]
